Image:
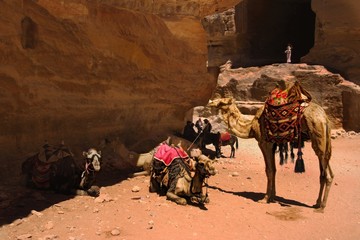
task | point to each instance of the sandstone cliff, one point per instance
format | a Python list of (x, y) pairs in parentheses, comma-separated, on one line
[(84, 71)]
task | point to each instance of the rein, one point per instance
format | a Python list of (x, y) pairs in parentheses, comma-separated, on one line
[(204, 184)]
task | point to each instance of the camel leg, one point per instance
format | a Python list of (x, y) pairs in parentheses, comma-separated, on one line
[(326, 178), (321, 144), (232, 154), (175, 198), (270, 169)]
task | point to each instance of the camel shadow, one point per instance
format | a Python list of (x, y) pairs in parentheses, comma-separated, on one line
[(256, 197), (21, 201)]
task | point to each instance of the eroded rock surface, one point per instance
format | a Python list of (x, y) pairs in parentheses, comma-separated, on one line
[(251, 86)]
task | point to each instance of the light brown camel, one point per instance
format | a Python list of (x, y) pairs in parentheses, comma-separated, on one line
[(314, 123)]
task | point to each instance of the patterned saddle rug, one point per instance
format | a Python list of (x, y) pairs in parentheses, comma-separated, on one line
[(43, 162), (283, 112), (167, 154)]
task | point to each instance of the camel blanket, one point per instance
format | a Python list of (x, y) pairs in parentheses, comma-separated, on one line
[(225, 136), (43, 161), (41, 173), (167, 154), (283, 111)]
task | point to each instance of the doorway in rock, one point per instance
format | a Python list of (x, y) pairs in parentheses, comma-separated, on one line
[(264, 28)]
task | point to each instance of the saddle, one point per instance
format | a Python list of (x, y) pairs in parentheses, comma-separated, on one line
[(44, 159), (225, 136), (167, 154), (49, 154), (283, 112)]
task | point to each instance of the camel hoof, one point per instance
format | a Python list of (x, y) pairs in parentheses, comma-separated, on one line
[(266, 199), (263, 201), (319, 210)]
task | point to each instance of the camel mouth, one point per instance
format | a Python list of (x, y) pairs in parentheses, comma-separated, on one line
[(211, 172), (96, 165)]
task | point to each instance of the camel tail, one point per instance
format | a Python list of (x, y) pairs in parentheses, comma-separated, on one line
[(236, 142)]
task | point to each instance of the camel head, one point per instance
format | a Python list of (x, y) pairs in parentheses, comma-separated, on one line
[(93, 158), (221, 103), (205, 166)]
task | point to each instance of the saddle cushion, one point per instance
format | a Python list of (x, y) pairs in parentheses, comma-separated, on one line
[(167, 154), (277, 97)]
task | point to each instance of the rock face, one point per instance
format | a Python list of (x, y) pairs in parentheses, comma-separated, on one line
[(337, 37), (251, 86), (321, 32), (83, 71)]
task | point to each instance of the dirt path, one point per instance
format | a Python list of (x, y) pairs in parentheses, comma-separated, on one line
[(126, 210)]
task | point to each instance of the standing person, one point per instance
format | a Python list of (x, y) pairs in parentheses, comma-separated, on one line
[(288, 53), (189, 132), (207, 127), (205, 133), (199, 125)]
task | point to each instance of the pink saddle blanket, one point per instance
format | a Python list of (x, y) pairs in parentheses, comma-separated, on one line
[(167, 154)]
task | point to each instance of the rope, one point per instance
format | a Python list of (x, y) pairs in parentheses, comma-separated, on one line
[(196, 137)]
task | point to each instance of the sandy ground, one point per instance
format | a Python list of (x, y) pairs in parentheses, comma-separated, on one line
[(126, 210)]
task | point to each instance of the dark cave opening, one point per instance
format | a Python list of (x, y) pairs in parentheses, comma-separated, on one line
[(264, 28)]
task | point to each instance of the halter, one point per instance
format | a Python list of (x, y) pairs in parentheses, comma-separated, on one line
[(198, 194), (89, 159)]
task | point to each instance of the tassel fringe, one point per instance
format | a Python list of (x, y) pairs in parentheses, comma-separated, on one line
[(299, 164)]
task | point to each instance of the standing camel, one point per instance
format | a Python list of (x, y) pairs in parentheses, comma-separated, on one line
[(314, 123)]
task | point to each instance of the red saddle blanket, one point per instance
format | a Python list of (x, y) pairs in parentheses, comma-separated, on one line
[(167, 154), (225, 136)]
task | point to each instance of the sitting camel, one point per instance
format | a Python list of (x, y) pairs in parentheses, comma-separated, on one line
[(174, 176), (54, 168), (314, 123)]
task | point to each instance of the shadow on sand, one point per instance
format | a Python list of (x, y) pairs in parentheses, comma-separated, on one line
[(17, 202), (256, 197)]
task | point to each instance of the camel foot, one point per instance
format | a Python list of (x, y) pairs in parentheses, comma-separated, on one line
[(175, 198), (267, 199), (181, 201), (202, 199), (93, 191), (319, 208)]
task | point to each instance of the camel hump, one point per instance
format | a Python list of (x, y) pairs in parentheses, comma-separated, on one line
[(298, 93), (281, 95)]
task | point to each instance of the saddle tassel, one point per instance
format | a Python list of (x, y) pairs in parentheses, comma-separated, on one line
[(299, 164)]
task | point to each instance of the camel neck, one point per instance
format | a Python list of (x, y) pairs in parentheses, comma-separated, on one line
[(237, 122)]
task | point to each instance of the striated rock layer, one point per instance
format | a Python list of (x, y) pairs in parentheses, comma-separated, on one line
[(82, 71)]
